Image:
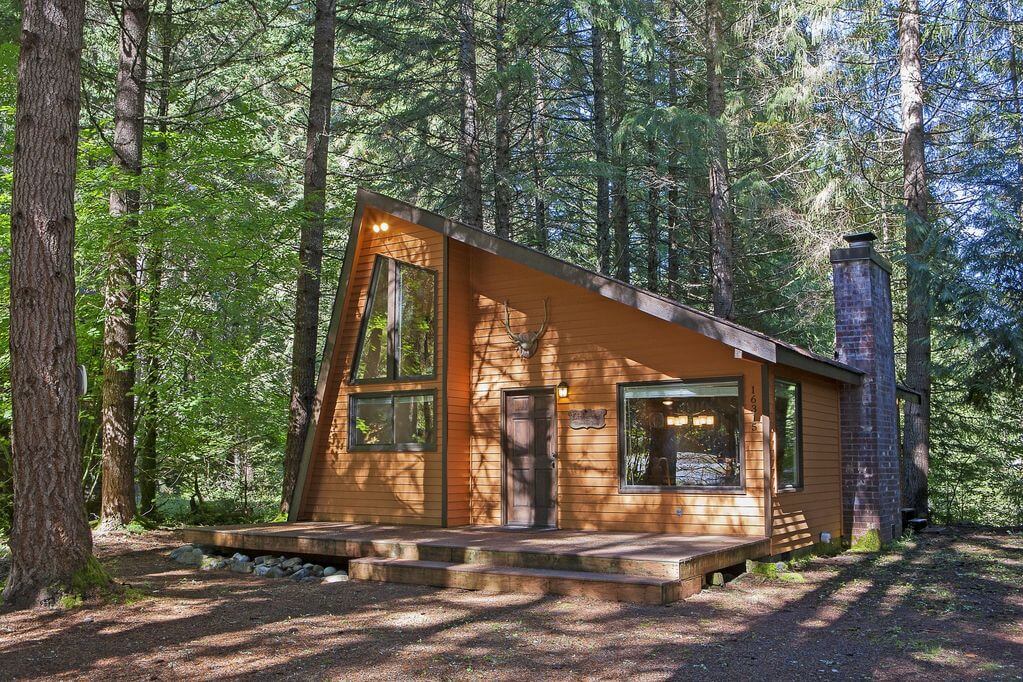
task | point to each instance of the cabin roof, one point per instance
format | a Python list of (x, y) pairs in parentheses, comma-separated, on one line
[(749, 341)]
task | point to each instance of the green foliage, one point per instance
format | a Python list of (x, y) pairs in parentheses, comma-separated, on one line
[(867, 543)]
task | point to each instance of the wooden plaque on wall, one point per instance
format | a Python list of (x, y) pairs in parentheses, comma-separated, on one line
[(586, 419)]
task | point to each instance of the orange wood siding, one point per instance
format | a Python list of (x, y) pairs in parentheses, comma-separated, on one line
[(375, 487), (459, 360), (594, 344), (800, 516)]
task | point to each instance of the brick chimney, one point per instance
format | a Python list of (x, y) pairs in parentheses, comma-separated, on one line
[(871, 493)]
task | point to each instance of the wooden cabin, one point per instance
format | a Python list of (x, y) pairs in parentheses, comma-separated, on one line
[(471, 381)]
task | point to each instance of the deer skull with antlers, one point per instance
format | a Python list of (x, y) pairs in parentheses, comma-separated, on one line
[(525, 341)]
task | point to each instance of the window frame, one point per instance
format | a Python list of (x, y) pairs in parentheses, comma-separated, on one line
[(391, 447), (390, 268), (798, 485), (626, 488)]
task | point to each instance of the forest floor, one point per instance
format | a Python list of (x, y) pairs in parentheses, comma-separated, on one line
[(940, 606)]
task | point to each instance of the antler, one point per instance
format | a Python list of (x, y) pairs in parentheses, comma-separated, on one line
[(543, 327), (507, 322)]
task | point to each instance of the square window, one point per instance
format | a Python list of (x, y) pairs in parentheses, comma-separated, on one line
[(681, 435), (396, 422)]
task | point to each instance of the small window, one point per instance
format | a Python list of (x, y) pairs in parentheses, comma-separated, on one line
[(397, 421), (788, 423), (681, 435), (398, 339)]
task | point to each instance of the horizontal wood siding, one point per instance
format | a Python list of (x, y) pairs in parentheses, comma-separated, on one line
[(595, 344), (800, 516), (375, 487)]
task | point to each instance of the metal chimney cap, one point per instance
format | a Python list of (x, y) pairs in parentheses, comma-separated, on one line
[(859, 238)]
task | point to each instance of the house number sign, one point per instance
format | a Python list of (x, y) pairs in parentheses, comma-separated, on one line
[(586, 419)]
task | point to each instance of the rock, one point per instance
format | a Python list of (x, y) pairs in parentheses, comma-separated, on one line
[(292, 562), (272, 561), (260, 560), (241, 566), (718, 579), (192, 558), (329, 571), (338, 577), (301, 573), (267, 571), (307, 565), (177, 552), (317, 571), (211, 562), (240, 558)]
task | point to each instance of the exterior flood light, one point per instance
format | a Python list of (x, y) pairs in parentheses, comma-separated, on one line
[(381, 227), (562, 390)]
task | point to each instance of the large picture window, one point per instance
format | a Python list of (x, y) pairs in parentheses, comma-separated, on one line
[(788, 422), (684, 434), (393, 421), (398, 339)]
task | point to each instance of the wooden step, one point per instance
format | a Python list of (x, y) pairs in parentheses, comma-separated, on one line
[(515, 579)]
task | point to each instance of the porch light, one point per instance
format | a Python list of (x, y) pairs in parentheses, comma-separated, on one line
[(562, 390)]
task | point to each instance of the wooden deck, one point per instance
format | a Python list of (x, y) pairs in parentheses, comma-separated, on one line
[(646, 567)]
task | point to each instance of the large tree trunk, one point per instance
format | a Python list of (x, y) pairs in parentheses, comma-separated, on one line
[(601, 143), (118, 505), (472, 183), (722, 257), (918, 276), (50, 539), (502, 128), (674, 290), (147, 461), (307, 300), (619, 162), (653, 194), (1017, 109), (538, 134)]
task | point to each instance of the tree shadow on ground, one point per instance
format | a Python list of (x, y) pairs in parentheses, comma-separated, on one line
[(942, 606)]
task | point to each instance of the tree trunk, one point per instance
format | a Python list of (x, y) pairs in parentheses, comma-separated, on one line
[(307, 300), (674, 290), (502, 128), (918, 276), (653, 194), (600, 142), (118, 492), (472, 184), (50, 539), (147, 459), (538, 133), (722, 257), (619, 163), (1017, 109)]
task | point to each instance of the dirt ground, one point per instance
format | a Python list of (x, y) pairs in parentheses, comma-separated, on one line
[(943, 606)]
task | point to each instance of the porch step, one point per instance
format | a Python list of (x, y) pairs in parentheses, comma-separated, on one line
[(514, 579)]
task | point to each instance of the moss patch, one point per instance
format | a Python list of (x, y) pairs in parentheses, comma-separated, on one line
[(867, 543), (70, 601), (91, 576)]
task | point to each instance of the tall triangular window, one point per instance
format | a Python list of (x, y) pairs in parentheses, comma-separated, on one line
[(398, 339)]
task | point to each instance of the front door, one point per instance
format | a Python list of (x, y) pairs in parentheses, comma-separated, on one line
[(530, 457)]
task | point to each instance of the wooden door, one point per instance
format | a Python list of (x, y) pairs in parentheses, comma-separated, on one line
[(530, 459)]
